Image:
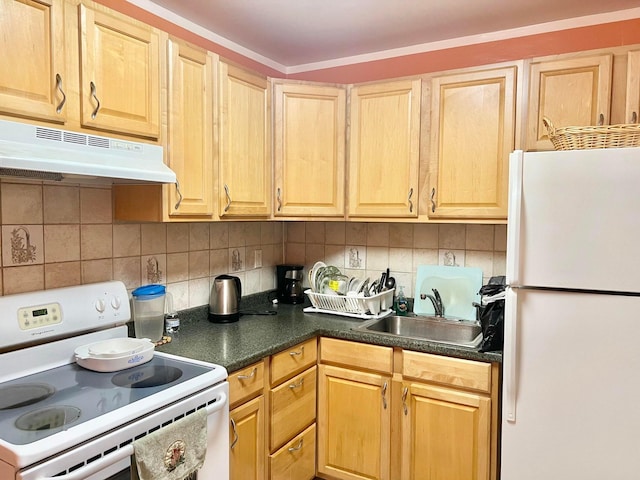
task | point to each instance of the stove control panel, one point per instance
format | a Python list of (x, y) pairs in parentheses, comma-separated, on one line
[(36, 317)]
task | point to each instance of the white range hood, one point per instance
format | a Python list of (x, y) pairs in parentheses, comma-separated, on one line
[(31, 151)]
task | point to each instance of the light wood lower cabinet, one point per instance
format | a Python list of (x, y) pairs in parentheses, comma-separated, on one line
[(247, 417), (398, 414), (296, 460), (354, 410), (246, 453), (292, 412), (353, 424), (445, 433)]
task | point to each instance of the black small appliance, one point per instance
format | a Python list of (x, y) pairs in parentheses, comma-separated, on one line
[(290, 279)]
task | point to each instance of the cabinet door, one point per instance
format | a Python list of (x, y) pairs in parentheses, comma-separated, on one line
[(120, 73), (570, 92), (384, 149), (190, 129), (244, 180), (632, 112), (32, 78), (445, 434), (353, 424), (247, 454), (472, 134), (309, 147)]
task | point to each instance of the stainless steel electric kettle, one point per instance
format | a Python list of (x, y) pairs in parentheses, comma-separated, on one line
[(224, 301)]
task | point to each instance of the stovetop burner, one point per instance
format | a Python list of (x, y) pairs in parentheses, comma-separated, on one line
[(48, 418), (16, 396), (147, 376)]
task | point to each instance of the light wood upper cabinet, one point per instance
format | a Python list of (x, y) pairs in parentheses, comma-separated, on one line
[(244, 174), (119, 73), (473, 118), (384, 149), (574, 91), (33, 78), (632, 111), (190, 150), (445, 432), (309, 158)]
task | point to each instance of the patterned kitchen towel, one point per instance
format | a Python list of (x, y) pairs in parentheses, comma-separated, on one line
[(174, 452)]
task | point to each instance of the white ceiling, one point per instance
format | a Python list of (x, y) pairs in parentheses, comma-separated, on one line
[(291, 34)]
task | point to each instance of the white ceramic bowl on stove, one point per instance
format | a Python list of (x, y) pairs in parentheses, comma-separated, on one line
[(115, 354)]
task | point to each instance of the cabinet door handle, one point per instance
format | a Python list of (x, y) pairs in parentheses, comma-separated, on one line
[(297, 447), (235, 434), (384, 395), (251, 375), (177, 205), (226, 192), (94, 114), (634, 117), (294, 353), (410, 201), (279, 199), (296, 385), (433, 202), (405, 390), (601, 119), (59, 88)]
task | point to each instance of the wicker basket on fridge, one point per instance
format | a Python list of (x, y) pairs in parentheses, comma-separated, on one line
[(602, 136)]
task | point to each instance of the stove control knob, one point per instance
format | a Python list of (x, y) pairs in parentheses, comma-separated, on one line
[(116, 303), (100, 305)]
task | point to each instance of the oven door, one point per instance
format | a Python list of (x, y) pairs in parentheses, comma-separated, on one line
[(108, 457)]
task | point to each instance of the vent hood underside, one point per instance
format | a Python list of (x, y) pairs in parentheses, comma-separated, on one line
[(44, 153)]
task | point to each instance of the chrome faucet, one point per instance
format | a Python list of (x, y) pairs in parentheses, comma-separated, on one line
[(436, 300)]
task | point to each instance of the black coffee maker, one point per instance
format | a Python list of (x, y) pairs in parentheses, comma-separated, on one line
[(290, 279)]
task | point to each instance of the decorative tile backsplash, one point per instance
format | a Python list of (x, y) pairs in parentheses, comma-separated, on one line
[(367, 249), (61, 235)]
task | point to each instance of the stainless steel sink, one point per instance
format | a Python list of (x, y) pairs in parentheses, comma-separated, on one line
[(434, 329)]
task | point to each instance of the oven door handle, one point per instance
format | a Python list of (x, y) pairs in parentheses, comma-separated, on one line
[(124, 452)]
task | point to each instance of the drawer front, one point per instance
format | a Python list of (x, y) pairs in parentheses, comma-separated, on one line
[(296, 459), (447, 371), (292, 407), (293, 361), (246, 383), (358, 355)]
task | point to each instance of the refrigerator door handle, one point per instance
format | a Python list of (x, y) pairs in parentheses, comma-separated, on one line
[(510, 354), (514, 215)]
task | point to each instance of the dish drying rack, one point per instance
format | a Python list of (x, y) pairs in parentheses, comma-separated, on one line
[(376, 306)]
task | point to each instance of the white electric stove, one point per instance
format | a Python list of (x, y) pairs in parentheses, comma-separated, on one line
[(60, 420)]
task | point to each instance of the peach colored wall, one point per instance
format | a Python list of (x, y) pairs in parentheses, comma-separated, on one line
[(584, 38), (564, 41)]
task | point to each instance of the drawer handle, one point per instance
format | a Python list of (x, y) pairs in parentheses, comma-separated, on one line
[(296, 448), (296, 385), (235, 434), (405, 390), (251, 375), (294, 353)]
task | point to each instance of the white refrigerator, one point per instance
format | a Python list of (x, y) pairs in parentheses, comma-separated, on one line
[(571, 384)]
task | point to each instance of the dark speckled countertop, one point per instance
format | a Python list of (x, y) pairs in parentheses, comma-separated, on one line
[(253, 337)]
